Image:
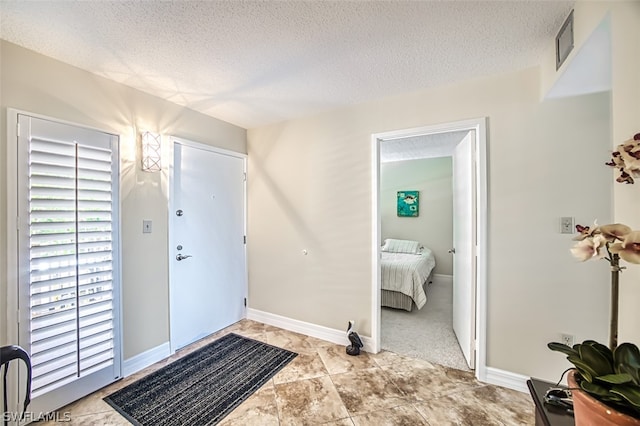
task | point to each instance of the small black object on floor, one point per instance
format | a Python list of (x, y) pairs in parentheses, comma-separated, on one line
[(356, 342)]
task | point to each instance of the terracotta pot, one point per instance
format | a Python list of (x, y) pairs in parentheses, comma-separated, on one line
[(588, 411)]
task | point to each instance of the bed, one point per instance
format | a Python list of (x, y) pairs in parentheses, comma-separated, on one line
[(405, 268)]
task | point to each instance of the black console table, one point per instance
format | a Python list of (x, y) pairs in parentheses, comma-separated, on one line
[(547, 415)]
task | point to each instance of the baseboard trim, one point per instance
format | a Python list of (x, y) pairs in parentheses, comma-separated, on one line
[(443, 279), (136, 363), (332, 335), (506, 379)]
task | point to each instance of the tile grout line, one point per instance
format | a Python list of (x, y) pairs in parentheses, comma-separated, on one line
[(339, 396)]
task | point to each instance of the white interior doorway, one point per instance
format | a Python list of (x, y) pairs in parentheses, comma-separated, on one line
[(208, 275), (471, 312)]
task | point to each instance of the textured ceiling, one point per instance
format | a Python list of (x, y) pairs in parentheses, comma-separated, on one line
[(417, 147), (258, 62)]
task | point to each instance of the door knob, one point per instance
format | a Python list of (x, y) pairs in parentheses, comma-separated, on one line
[(452, 251), (180, 257)]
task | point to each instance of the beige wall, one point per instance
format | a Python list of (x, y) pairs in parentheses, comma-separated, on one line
[(310, 187), (41, 85), (434, 225), (625, 122), (625, 113)]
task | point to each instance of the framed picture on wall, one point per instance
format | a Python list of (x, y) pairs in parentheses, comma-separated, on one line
[(408, 203)]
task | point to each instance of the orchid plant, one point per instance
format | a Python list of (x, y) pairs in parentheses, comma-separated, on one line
[(626, 158), (592, 241), (612, 243)]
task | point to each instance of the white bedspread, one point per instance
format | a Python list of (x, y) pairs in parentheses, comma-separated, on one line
[(406, 273)]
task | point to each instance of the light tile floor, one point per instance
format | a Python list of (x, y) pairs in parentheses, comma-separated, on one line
[(325, 386)]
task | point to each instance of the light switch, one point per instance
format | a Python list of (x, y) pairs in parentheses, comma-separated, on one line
[(566, 225), (146, 226)]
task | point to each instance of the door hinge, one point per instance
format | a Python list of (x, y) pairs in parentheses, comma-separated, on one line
[(245, 302), (245, 239), (18, 129), (245, 176)]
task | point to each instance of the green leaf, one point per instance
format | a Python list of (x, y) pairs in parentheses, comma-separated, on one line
[(613, 398), (559, 347), (597, 361), (585, 369), (633, 372), (594, 389), (630, 393), (627, 354), (604, 350), (615, 379)]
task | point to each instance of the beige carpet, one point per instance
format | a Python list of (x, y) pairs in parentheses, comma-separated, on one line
[(426, 333)]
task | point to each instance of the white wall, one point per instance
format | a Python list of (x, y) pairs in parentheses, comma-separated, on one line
[(41, 85), (434, 225), (624, 23), (310, 187)]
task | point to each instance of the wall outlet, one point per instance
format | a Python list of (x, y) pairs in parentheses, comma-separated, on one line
[(567, 339), (566, 225)]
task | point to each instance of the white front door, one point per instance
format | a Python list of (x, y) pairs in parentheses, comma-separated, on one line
[(207, 242), (464, 237), (68, 259)]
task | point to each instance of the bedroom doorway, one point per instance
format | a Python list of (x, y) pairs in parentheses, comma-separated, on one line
[(463, 144)]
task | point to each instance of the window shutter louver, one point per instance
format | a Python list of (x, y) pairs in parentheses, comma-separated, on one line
[(70, 261)]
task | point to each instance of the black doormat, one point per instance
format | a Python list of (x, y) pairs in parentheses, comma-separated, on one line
[(202, 387)]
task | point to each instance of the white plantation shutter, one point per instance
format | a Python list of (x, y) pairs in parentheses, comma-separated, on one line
[(71, 205)]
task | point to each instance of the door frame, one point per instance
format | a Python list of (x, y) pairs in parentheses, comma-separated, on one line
[(173, 140), (480, 127), (14, 222)]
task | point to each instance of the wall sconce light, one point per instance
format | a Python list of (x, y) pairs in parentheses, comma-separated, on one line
[(151, 150)]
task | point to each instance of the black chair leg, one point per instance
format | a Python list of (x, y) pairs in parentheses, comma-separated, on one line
[(4, 394), (7, 354)]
